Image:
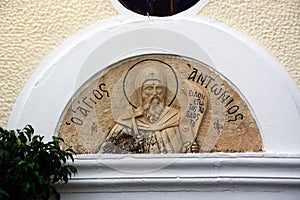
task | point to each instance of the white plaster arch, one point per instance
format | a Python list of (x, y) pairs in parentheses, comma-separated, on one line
[(271, 94)]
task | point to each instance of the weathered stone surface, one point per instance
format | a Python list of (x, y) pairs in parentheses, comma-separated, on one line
[(191, 109)]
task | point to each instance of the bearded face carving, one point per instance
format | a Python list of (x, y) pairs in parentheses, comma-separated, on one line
[(152, 86), (153, 102)]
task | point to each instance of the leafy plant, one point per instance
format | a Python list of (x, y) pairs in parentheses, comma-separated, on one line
[(29, 167)]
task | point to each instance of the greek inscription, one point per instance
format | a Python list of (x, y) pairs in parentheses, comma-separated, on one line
[(218, 126), (217, 90), (94, 128), (238, 116), (214, 89), (87, 104), (76, 121), (223, 98), (193, 75), (192, 108), (229, 103), (209, 81), (98, 95), (201, 109), (103, 89), (201, 78), (83, 111), (92, 100), (233, 109), (196, 106)]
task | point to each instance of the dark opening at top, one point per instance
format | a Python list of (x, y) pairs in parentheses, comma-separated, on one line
[(159, 8)]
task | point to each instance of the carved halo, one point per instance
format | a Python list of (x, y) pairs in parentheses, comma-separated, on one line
[(131, 74)]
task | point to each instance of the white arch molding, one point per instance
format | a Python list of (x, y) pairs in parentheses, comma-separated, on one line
[(272, 95), (266, 86)]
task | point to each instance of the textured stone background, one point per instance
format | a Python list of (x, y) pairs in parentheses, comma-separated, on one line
[(32, 29)]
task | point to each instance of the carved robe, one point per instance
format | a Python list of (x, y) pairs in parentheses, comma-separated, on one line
[(132, 133)]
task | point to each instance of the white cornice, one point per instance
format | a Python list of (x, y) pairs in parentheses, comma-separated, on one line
[(203, 172)]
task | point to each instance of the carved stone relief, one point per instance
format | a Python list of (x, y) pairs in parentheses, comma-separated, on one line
[(159, 104)]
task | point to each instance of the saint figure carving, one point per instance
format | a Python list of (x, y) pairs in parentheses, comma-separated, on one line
[(152, 127)]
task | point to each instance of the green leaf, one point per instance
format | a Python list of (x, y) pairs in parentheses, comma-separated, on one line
[(30, 164), (73, 169), (28, 134), (26, 186), (21, 162), (3, 193)]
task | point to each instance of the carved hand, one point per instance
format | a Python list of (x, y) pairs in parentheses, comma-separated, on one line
[(195, 147)]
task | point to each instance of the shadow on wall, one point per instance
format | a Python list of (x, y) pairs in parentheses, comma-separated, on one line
[(158, 8)]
